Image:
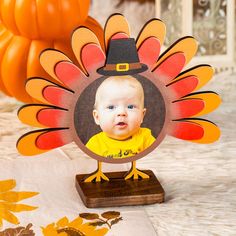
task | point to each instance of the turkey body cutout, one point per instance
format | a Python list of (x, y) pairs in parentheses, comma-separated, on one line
[(130, 79)]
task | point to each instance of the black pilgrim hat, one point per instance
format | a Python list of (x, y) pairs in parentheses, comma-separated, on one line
[(122, 58)]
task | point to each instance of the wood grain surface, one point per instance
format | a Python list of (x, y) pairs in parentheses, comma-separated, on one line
[(120, 192)]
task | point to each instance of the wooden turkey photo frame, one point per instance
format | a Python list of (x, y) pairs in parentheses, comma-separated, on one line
[(117, 102)]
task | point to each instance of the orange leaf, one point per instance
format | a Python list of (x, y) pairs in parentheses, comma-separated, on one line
[(6, 185), (16, 196), (63, 222), (8, 216), (16, 207)]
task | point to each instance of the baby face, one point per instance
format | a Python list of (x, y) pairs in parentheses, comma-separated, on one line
[(119, 108)]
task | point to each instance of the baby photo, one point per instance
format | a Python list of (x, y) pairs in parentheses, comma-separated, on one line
[(119, 111)]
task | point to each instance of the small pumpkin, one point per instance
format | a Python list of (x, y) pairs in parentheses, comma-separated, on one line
[(27, 28)]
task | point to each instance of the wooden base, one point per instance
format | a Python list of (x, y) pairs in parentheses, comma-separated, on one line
[(120, 192)]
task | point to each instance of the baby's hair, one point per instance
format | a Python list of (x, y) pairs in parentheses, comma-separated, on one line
[(129, 80)]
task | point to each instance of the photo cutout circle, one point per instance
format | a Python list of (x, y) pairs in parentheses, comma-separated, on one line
[(151, 93), (115, 107)]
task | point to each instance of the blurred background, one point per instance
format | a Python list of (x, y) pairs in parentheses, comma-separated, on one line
[(211, 22)]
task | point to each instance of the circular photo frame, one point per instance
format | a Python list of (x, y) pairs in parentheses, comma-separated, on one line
[(155, 119)]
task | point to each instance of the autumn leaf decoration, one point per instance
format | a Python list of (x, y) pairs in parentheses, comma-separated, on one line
[(76, 227), (109, 218), (9, 199), (19, 231)]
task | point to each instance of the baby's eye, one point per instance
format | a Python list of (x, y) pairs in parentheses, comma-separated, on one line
[(131, 106), (111, 107)]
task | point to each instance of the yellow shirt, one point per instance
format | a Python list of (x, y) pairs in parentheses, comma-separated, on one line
[(104, 146)]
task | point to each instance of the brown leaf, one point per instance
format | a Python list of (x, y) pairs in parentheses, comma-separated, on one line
[(19, 231), (71, 232), (7, 232), (27, 231), (29, 226), (110, 214), (115, 221), (89, 216), (97, 223)]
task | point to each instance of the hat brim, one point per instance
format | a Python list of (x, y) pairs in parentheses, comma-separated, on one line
[(143, 68)]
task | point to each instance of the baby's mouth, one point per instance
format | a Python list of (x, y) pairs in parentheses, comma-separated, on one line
[(121, 124)]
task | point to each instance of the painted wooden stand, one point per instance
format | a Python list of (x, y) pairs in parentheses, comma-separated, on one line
[(120, 192)]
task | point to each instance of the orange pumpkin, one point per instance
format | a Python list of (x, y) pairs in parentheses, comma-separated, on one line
[(27, 28), (43, 19)]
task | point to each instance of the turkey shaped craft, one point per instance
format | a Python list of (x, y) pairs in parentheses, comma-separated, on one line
[(120, 104)]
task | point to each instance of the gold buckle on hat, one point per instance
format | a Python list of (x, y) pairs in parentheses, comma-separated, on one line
[(122, 67)]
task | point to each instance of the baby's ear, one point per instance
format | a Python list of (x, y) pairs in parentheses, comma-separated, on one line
[(144, 112), (95, 116)]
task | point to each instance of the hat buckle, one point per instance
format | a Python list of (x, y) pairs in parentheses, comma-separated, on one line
[(122, 66)]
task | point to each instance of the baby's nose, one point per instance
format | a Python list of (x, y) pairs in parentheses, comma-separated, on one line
[(121, 112)]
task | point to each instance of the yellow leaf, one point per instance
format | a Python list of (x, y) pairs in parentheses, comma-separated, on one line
[(101, 232), (6, 185), (49, 230), (62, 234), (77, 221), (16, 196), (73, 227), (8, 216), (63, 222), (50, 226), (16, 207), (87, 229)]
